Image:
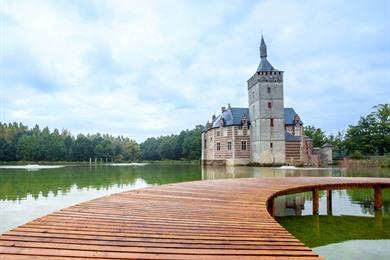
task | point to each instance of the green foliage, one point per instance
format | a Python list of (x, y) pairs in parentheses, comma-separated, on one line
[(372, 133), (357, 155), (18, 142), (371, 136), (186, 145), (316, 134)]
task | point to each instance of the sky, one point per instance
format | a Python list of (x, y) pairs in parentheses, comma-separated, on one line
[(151, 68)]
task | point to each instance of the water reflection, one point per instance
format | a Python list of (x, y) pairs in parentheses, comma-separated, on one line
[(17, 184), (354, 202), (213, 173), (25, 195)]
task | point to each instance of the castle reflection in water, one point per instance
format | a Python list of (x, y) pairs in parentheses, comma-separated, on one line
[(289, 205)]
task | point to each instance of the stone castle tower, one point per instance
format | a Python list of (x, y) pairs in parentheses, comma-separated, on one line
[(266, 110)]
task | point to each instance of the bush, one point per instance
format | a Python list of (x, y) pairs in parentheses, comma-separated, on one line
[(357, 155)]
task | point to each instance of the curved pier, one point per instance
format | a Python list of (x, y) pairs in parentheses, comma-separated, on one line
[(226, 219)]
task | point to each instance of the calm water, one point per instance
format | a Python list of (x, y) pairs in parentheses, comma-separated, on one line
[(26, 195)]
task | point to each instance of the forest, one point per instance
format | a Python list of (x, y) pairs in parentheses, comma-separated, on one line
[(370, 136), (20, 143)]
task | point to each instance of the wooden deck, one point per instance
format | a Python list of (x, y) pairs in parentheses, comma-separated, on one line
[(222, 219)]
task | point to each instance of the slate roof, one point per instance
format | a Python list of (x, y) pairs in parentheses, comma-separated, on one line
[(290, 137), (233, 116), (264, 63), (289, 114), (265, 66)]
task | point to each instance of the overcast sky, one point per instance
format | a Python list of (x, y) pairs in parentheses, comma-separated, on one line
[(150, 68)]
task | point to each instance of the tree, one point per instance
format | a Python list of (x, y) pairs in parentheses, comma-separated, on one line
[(83, 148), (166, 148), (131, 150), (149, 149), (372, 133), (104, 149), (316, 134)]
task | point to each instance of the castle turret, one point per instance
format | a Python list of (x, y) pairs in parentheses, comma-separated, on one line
[(266, 111)]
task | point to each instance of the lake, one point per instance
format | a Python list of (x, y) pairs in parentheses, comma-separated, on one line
[(353, 229)]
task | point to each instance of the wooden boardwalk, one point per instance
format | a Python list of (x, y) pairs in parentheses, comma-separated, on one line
[(222, 219)]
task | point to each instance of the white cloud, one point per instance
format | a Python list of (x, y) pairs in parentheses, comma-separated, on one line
[(156, 67)]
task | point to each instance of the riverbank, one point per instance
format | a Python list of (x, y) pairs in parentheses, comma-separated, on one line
[(370, 161), (87, 163)]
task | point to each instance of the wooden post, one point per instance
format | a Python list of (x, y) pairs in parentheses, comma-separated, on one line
[(315, 202), (378, 218), (271, 207), (329, 202), (377, 197)]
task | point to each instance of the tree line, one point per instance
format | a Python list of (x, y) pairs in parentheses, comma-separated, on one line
[(21, 143), (370, 136)]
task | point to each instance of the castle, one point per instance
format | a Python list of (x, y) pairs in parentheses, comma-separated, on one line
[(265, 133)]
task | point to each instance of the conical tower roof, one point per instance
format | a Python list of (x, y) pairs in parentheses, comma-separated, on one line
[(264, 65)]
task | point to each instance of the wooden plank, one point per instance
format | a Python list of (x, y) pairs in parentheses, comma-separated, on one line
[(224, 219)]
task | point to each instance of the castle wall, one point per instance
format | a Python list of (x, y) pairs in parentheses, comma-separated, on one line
[(217, 146)]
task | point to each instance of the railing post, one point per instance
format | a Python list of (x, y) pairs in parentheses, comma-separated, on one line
[(377, 197), (329, 202), (315, 202)]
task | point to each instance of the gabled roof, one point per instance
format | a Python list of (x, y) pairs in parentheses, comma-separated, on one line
[(231, 116), (289, 115)]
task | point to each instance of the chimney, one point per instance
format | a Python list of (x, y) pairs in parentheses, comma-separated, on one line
[(213, 118), (229, 107), (223, 109)]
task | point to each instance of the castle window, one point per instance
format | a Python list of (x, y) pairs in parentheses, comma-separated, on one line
[(240, 127), (269, 104), (205, 145), (218, 133), (229, 145), (218, 146), (243, 145), (268, 90), (271, 122), (271, 145)]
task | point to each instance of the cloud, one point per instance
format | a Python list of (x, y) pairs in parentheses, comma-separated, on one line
[(156, 67)]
